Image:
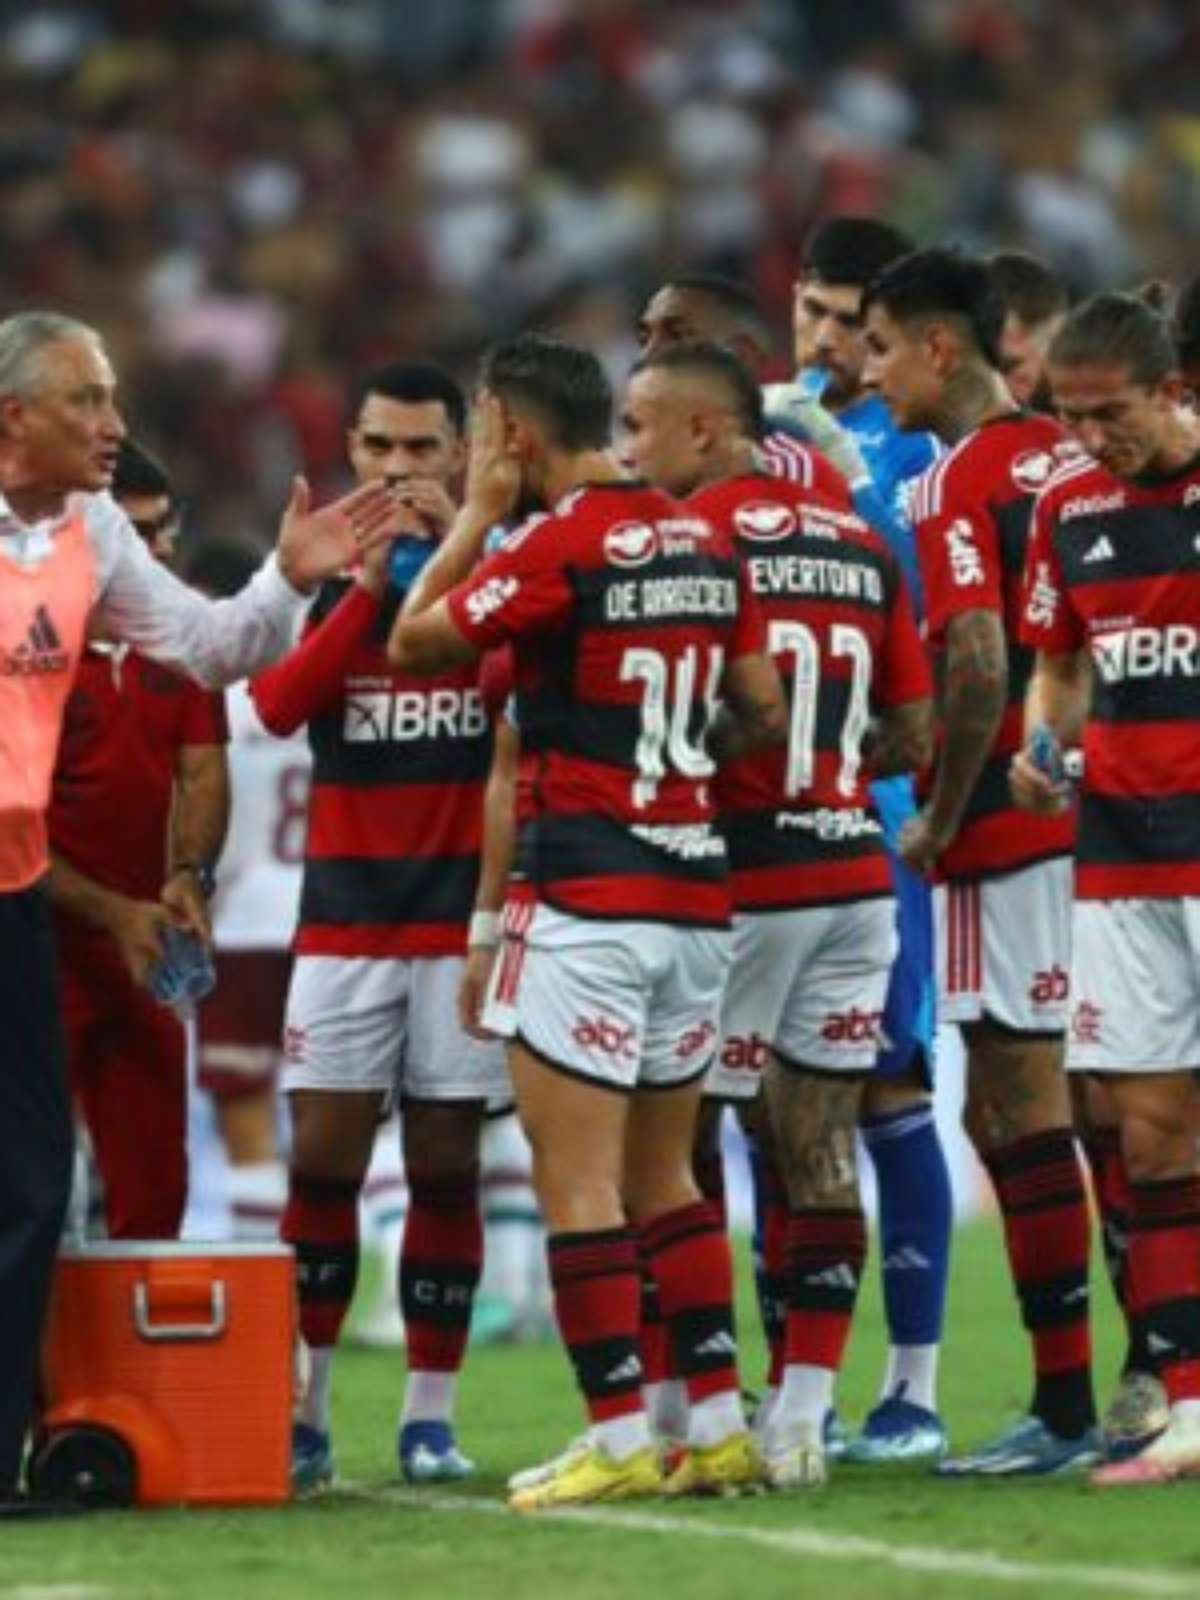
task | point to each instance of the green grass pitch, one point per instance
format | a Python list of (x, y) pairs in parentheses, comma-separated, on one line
[(887, 1535)]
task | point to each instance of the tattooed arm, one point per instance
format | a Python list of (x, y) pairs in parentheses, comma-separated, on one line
[(973, 690), (753, 710)]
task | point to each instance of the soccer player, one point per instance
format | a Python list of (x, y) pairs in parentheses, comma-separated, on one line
[(137, 819), (390, 865), (68, 550), (721, 311), (1111, 608), (841, 257), (1002, 895), (629, 619), (1035, 303), (814, 930)]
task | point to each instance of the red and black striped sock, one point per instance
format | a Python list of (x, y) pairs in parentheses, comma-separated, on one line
[(1110, 1186), (709, 1172), (688, 1252), (772, 1281), (320, 1222), (597, 1292), (654, 1337), (1164, 1269), (440, 1261), (826, 1251), (1039, 1186)]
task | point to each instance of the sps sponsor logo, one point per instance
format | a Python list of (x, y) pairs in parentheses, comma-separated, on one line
[(762, 521), (966, 563), (496, 592), (1041, 608), (631, 544)]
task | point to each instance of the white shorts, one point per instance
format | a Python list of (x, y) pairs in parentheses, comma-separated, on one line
[(1135, 986), (623, 1004), (369, 1022), (1003, 947), (810, 983)]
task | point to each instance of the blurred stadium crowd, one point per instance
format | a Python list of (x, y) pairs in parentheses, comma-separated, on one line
[(256, 199)]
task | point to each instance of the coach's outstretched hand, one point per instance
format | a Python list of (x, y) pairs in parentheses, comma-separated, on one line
[(314, 545)]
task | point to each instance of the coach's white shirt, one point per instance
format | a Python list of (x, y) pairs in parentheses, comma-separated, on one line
[(140, 601)]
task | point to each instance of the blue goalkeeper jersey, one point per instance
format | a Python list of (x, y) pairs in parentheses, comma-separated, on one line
[(895, 459)]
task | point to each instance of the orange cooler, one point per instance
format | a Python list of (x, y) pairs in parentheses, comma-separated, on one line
[(167, 1375)]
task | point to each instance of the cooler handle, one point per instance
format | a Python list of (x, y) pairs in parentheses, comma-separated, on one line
[(161, 1331)]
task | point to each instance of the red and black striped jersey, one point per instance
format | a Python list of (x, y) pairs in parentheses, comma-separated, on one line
[(624, 608), (1114, 569), (840, 627), (399, 766), (971, 514)]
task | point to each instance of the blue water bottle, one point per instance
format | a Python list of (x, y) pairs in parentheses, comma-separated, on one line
[(184, 973), (409, 555), (1046, 753)]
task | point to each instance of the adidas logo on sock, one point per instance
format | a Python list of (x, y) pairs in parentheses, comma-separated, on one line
[(839, 1277), (627, 1371), (1157, 1345), (720, 1343), (907, 1259), (1102, 550)]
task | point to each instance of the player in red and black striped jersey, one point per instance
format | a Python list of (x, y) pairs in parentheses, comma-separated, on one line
[(1002, 904), (630, 619), (1112, 602), (391, 858), (814, 931)]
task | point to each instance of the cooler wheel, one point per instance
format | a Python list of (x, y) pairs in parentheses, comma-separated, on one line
[(91, 1465)]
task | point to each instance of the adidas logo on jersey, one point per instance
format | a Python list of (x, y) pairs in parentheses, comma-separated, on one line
[(41, 654), (1102, 550)]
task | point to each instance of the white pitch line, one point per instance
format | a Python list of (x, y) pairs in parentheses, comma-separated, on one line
[(983, 1565), (55, 1591)]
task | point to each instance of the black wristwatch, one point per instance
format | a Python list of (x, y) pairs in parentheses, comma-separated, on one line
[(203, 872)]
